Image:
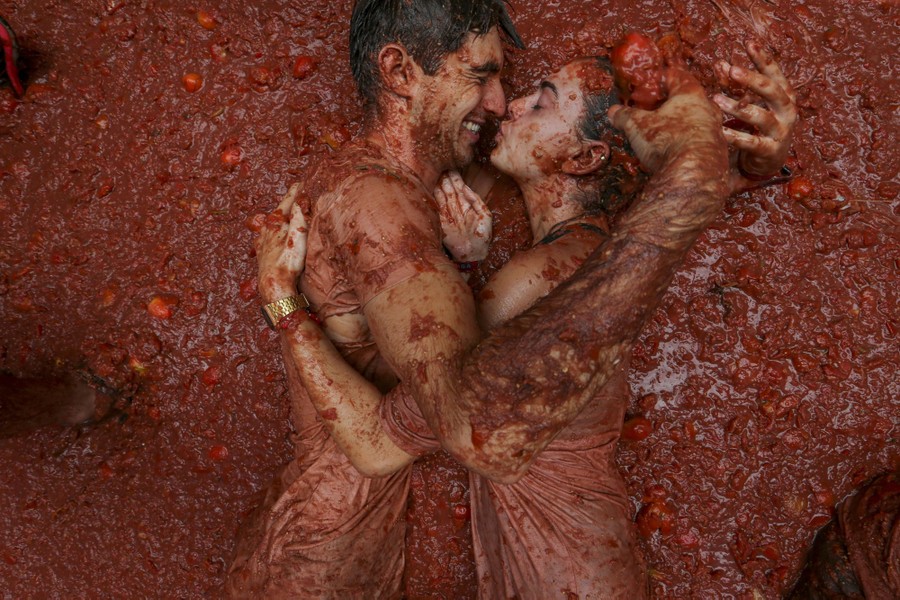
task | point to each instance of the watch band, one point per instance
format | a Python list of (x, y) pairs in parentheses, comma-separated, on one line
[(275, 311)]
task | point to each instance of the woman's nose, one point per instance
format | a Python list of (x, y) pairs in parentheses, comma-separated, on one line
[(516, 107)]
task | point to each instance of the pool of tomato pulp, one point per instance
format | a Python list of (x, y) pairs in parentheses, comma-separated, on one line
[(764, 389)]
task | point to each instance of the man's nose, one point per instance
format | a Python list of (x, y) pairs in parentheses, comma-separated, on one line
[(494, 100)]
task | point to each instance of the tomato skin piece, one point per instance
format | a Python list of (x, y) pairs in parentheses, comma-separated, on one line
[(638, 69), (800, 188), (231, 156), (159, 308), (211, 376)]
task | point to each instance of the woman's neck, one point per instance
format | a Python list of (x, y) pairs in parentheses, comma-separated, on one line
[(549, 202)]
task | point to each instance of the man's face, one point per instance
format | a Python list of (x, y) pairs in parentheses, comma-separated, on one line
[(456, 101), (543, 129)]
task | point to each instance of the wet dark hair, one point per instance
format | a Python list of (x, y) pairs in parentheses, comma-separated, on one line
[(428, 29), (616, 185)]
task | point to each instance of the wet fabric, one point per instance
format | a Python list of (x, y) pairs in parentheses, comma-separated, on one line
[(562, 531)]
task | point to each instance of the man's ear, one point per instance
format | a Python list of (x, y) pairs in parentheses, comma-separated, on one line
[(592, 156), (398, 70)]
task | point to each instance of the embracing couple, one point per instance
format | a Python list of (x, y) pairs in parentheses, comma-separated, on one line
[(526, 386)]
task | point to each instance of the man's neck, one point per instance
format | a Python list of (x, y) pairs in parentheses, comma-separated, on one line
[(397, 142), (550, 201)]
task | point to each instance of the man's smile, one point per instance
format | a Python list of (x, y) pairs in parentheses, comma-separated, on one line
[(472, 126)]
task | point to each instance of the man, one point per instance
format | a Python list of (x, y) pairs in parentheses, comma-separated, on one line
[(396, 308)]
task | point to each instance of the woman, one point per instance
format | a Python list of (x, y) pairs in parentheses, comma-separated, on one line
[(564, 527)]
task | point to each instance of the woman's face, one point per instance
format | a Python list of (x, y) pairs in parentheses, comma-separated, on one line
[(542, 130)]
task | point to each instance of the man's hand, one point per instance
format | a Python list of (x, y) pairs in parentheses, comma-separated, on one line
[(281, 248), (686, 119), (466, 221), (762, 151)]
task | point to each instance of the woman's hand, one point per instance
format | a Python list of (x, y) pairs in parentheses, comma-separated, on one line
[(687, 123), (466, 221), (762, 151), (281, 248)]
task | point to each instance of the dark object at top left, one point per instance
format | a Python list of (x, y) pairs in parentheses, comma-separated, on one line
[(10, 56)]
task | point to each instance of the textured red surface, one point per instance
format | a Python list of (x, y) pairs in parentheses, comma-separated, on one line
[(769, 373)]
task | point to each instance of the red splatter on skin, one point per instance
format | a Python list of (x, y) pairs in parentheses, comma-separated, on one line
[(811, 278)]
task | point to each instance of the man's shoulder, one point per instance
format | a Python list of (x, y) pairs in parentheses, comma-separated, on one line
[(359, 169)]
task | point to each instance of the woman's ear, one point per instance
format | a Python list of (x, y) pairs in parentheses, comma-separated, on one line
[(398, 70), (591, 156)]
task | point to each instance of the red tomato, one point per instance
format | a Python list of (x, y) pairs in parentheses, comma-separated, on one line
[(218, 452), (638, 67), (637, 428), (192, 82), (304, 66), (655, 516), (206, 20)]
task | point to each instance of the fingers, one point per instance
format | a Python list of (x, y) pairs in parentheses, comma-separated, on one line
[(284, 207), (773, 93), (441, 198), (622, 118), (447, 184), (456, 180), (748, 113), (753, 145), (767, 65), (295, 251), (478, 205), (298, 221)]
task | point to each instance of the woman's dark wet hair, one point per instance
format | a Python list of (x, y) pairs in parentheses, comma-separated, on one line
[(617, 184), (428, 29)]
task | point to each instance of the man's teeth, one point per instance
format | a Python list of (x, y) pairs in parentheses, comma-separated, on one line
[(473, 127)]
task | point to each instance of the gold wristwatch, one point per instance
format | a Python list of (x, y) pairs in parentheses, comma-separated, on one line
[(276, 311)]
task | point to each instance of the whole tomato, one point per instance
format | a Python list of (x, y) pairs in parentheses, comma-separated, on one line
[(638, 69)]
